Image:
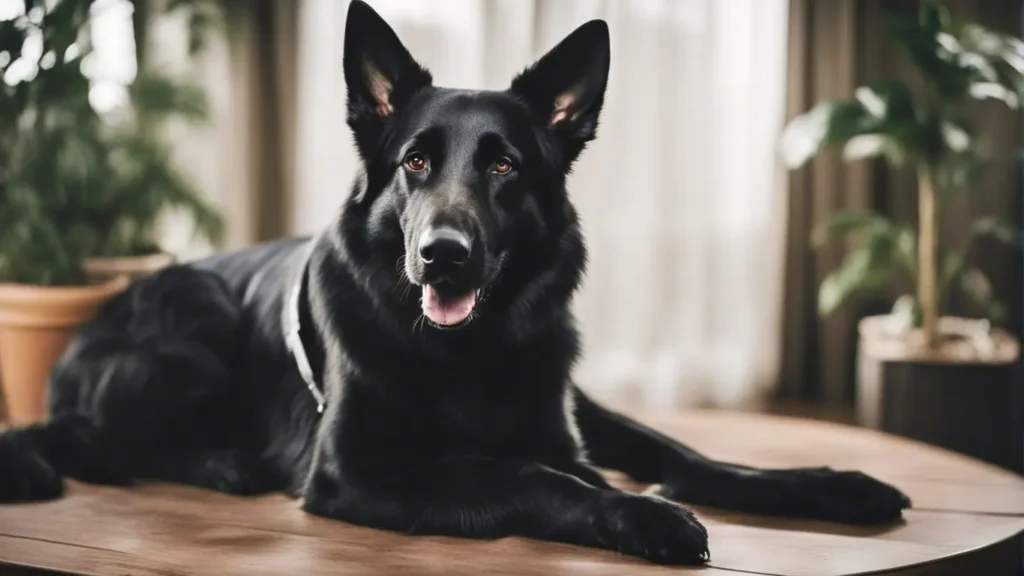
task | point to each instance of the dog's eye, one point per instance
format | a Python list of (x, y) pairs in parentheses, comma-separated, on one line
[(415, 161), (503, 166)]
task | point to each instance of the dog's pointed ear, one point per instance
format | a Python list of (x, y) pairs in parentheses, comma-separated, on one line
[(565, 87), (380, 74)]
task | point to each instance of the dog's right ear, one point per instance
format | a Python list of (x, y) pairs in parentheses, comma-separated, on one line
[(380, 74)]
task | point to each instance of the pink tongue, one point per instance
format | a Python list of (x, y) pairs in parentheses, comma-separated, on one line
[(448, 311)]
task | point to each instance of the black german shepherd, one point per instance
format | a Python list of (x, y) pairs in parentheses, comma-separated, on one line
[(434, 315)]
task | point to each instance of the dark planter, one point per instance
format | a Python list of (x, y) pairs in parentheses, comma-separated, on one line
[(964, 395)]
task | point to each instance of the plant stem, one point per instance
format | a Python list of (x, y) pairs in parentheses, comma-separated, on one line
[(926, 255), (140, 29)]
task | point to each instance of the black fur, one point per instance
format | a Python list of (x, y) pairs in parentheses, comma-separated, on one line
[(465, 430)]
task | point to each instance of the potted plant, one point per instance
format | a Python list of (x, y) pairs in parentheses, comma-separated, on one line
[(74, 185), (929, 130), (47, 148)]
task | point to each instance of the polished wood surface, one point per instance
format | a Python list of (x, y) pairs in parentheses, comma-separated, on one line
[(966, 513)]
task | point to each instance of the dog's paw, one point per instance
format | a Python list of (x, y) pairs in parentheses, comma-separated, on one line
[(848, 497), (652, 528), (230, 472), (24, 475)]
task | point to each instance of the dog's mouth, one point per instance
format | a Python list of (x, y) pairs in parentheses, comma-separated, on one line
[(446, 305)]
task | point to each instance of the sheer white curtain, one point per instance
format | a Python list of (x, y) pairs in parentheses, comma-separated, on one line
[(681, 195)]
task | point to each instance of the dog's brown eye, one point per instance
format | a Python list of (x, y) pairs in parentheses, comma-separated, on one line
[(503, 166), (416, 161)]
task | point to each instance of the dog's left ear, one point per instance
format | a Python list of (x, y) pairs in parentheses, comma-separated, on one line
[(565, 88), (380, 74)]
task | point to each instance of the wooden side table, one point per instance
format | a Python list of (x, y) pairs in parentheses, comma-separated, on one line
[(968, 518)]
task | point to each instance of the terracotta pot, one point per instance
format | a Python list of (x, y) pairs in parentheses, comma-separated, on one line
[(36, 323), (103, 269)]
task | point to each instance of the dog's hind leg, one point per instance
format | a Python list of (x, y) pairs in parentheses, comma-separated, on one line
[(147, 377), (617, 442), (33, 459)]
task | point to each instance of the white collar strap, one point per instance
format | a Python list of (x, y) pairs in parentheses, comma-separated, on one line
[(292, 338)]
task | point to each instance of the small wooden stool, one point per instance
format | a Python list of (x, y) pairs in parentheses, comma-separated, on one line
[(967, 519)]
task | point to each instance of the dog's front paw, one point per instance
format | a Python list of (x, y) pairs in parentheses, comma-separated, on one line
[(848, 497), (24, 475), (652, 528)]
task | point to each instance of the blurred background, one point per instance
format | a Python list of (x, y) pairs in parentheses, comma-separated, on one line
[(211, 125)]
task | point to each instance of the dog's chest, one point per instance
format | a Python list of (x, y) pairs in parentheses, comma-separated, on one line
[(491, 401), (491, 418), (514, 401), (525, 426)]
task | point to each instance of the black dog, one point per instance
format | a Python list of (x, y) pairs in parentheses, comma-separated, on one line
[(434, 314)]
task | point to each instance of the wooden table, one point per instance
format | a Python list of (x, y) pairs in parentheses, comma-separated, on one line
[(968, 519)]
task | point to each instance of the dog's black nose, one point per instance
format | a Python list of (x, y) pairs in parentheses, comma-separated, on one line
[(444, 248)]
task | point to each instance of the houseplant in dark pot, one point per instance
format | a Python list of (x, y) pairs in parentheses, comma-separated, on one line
[(918, 365), (74, 184)]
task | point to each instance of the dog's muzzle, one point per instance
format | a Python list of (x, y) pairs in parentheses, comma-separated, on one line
[(444, 252)]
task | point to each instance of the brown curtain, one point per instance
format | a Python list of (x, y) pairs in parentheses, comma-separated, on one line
[(835, 46), (271, 62), (262, 90), (243, 158)]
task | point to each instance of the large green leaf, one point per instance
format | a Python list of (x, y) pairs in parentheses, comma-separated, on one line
[(997, 60), (879, 120), (891, 130), (960, 59), (996, 91), (842, 224), (873, 228), (854, 278), (919, 38), (825, 123), (888, 100), (867, 270)]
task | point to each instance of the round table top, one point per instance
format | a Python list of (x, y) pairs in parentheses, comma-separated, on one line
[(961, 506)]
